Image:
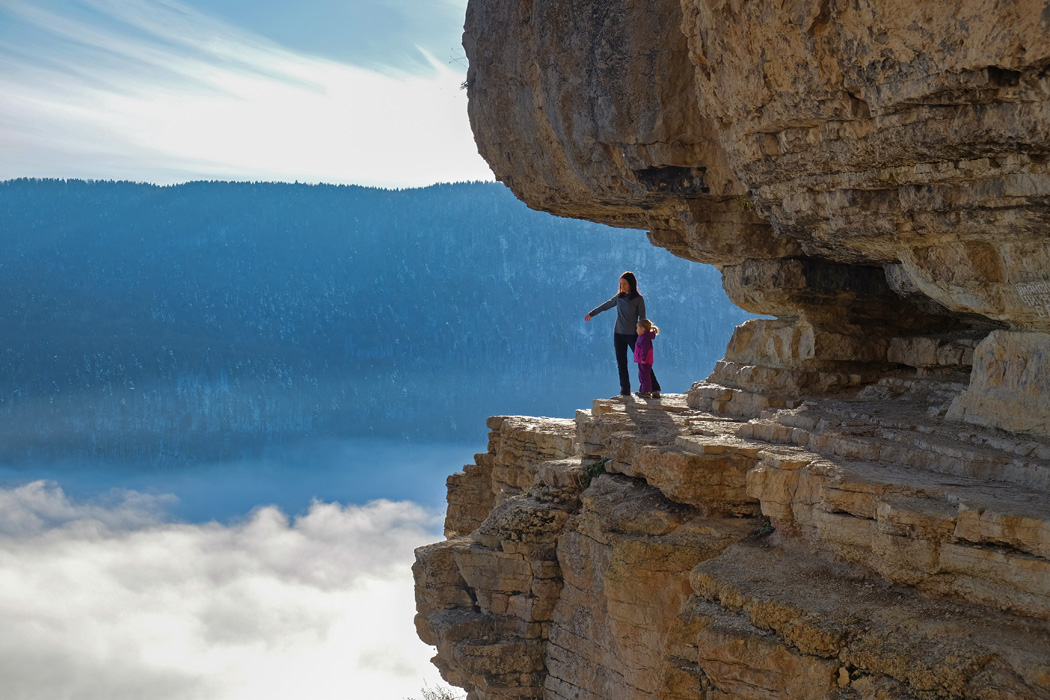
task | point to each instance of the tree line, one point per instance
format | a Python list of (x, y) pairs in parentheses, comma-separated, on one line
[(148, 322)]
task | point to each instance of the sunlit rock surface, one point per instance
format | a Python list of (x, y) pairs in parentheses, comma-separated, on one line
[(849, 547), (854, 504)]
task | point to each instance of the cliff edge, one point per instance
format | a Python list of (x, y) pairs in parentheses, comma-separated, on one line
[(854, 503)]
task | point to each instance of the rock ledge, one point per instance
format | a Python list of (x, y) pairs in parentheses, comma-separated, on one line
[(666, 549)]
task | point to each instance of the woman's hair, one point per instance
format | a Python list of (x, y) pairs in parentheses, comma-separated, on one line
[(632, 283), (648, 326)]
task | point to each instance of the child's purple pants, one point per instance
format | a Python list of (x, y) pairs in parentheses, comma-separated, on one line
[(645, 378)]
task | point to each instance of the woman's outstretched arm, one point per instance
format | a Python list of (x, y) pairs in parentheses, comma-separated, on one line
[(598, 309)]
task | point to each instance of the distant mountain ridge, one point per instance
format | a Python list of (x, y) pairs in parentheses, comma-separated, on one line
[(158, 322)]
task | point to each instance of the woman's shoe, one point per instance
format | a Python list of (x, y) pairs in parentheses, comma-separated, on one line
[(644, 395), (654, 395)]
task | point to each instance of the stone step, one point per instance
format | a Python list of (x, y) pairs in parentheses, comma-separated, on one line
[(934, 351), (897, 417), (668, 403), (655, 441), (955, 536), (933, 391), (862, 433), (718, 399), (899, 414), (618, 428), (770, 619), (933, 454), (519, 439), (713, 482)]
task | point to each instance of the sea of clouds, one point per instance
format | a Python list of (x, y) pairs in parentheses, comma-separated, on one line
[(109, 598)]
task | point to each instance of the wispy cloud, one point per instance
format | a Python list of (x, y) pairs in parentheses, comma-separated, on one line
[(105, 600), (155, 90)]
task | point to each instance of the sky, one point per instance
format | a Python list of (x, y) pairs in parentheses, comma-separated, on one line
[(164, 91)]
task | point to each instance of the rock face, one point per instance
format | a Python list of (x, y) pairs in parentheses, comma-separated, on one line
[(855, 503), (847, 548), (868, 169)]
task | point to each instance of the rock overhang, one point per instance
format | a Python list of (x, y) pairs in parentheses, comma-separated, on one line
[(888, 146)]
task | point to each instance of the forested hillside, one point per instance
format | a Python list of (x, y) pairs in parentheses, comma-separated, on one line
[(210, 319)]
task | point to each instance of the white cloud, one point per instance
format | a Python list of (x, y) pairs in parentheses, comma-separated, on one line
[(107, 601), (40, 506), (155, 90)]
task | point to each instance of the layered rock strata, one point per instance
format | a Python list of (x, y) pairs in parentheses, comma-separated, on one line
[(841, 548), (867, 170), (854, 504)]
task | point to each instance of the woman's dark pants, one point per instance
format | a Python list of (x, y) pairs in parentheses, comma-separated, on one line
[(622, 343)]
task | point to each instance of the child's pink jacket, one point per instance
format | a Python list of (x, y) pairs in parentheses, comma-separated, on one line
[(643, 348)]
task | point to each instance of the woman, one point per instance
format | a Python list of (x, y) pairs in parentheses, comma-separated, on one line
[(630, 308)]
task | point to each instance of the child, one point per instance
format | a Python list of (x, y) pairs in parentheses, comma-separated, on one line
[(643, 355)]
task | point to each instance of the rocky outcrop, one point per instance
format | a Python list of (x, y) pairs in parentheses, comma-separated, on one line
[(845, 548), (854, 504), (869, 170)]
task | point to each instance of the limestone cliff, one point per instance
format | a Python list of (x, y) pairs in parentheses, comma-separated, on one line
[(854, 504)]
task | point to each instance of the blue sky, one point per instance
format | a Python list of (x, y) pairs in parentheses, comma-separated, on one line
[(163, 91)]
